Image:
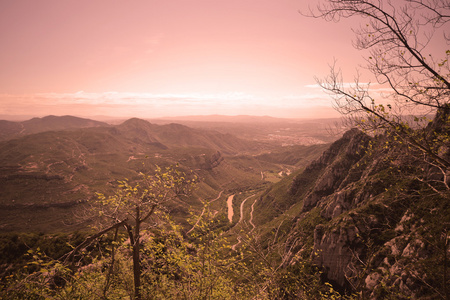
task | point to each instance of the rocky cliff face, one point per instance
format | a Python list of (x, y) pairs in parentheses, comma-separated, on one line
[(383, 231), (334, 166)]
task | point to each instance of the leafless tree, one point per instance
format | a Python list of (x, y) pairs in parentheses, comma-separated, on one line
[(412, 84), (415, 83)]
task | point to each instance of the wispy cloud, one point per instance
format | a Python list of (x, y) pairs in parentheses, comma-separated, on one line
[(142, 98), (164, 104)]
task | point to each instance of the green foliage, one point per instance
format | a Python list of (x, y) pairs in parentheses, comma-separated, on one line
[(14, 248), (201, 266), (140, 199)]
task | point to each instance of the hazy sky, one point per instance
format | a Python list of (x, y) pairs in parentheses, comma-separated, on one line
[(150, 58)]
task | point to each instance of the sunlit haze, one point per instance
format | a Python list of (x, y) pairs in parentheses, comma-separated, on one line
[(149, 58)]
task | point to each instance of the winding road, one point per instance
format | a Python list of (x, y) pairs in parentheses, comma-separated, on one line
[(242, 210), (242, 218), (251, 215), (231, 213)]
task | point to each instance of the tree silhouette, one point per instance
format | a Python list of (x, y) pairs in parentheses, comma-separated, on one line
[(416, 83)]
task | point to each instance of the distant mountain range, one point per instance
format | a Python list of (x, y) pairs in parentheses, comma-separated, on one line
[(264, 128), (11, 129)]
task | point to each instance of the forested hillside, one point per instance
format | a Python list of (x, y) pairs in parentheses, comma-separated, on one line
[(364, 220), (58, 188)]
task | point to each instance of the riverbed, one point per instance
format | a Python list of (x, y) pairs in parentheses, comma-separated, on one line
[(230, 208)]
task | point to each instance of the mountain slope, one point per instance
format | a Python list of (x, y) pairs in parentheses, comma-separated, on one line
[(61, 170), (361, 213), (176, 135), (88, 156)]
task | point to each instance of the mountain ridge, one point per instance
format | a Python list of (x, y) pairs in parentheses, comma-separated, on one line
[(361, 214), (15, 129)]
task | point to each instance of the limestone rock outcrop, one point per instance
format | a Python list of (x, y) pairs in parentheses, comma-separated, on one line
[(382, 230)]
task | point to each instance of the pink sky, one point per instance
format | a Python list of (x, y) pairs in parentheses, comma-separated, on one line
[(150, 58)]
